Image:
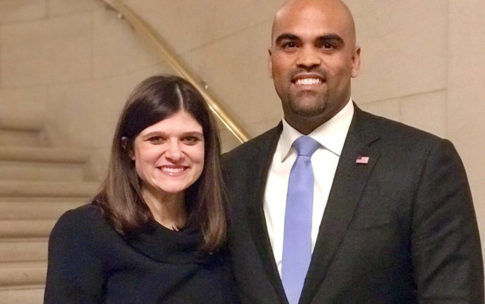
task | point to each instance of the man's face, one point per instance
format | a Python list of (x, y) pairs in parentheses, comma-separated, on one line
[(312, 59)]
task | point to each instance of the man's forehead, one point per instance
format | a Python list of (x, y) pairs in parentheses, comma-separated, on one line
[(319, 4), (313, 17)]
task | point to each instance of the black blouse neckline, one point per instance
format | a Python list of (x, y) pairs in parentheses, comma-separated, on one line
[(169, 246)]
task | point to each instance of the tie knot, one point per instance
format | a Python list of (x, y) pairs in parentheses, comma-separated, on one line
[(305, 145)]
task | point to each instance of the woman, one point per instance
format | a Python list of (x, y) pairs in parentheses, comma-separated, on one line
[(155, 232)]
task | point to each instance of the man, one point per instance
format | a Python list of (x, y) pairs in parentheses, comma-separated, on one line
[(391, 216)]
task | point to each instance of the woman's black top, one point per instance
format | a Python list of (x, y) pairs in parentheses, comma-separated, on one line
[(89, 262)]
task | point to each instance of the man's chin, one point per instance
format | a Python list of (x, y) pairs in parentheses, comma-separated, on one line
[(308, 110)]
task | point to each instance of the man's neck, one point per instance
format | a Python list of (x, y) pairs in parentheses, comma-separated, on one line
[(305, 124)]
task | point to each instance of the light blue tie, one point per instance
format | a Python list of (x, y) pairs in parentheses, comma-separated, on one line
[(297, 243)]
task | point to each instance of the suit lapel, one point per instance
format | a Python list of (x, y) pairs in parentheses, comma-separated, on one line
[(350, 179), (256, 219)]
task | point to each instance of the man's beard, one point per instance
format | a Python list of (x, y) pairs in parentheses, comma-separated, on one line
[(316, 107)]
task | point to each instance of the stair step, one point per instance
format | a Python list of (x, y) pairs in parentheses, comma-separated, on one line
[(25, 228), (42, 163), (39, 209), (21, 132), (19, 137), (27, 171), (21, 123), (52, 189), (37, 184), (26, 294), (23, 250), (44, 154), (22, 274)]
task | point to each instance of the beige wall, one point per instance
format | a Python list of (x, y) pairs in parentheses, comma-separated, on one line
[(424, 64), (74, 61), (71, 64), (466, 93), (225, 43)]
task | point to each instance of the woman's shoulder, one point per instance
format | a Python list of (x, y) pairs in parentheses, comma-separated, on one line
[(85, 215), (80, 223)]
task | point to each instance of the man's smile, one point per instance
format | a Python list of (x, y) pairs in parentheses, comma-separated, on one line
[(307, 79)]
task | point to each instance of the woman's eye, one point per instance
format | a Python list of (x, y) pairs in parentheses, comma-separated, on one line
[(156, 139), (191, 140)]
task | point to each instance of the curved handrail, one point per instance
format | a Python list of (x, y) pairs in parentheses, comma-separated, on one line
[(153, 37)]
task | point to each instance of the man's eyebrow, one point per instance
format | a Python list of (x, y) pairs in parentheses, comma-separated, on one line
[(331, 37), (286, 36), (325, 37)]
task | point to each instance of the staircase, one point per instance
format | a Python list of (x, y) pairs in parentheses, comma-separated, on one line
[(37, 184)]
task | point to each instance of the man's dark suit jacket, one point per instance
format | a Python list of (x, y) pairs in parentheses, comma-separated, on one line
[(399, 229)]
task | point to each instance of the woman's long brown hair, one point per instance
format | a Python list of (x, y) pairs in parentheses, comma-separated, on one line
[(153, 100)]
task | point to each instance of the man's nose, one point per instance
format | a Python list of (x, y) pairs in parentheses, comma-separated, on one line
[(308, 57)]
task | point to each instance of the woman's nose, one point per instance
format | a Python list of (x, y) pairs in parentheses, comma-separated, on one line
[(174, 151)]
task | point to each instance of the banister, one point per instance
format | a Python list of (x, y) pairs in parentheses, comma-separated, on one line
[(155, 40)]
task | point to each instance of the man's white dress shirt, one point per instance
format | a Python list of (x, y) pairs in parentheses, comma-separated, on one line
[(331, 135)]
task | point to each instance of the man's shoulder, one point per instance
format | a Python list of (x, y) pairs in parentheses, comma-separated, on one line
[(396, 131), (260, 144)]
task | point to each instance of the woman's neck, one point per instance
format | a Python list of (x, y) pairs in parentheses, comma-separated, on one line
[(167, 209)]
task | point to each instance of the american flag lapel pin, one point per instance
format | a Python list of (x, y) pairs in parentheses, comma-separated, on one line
[(362, 160)]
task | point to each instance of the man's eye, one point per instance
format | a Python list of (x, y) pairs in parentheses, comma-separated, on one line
[(289, 45), (328, 45)]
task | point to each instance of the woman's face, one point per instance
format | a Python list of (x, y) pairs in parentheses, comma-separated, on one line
[(169, 155)]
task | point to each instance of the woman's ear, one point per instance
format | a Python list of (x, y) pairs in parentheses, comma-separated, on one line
[(124, 145), (124, 142)]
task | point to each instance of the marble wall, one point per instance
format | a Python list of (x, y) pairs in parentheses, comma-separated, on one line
[(423, 64), (73, 62), (465, 105)]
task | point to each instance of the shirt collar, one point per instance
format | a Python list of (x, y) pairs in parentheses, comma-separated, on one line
[(331, 134)]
